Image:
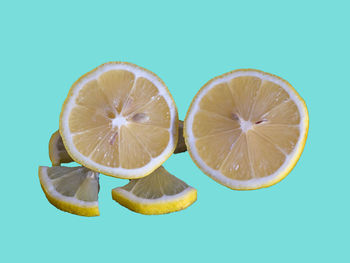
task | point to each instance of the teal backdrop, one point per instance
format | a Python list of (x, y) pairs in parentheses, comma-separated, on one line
[(45, 46)]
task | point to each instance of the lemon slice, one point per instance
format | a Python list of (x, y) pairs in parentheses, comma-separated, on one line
[(57, 151), (246, 129), (119, 119), (71, 189), (158, 193)]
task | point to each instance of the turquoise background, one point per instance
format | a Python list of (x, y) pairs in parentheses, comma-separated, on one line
[(46, 46)]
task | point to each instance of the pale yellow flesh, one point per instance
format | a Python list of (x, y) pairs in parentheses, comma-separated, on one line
[(158, 193), (246, 127), (71, 189), (143, 132)]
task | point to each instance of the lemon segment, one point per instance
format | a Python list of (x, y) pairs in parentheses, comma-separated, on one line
[(71, 189), (119, 119), (246, 129), (158, 193)]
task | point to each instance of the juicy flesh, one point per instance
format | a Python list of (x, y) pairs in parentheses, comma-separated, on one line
[(78, 182), (245, 128), (156, 185), (120, 120)]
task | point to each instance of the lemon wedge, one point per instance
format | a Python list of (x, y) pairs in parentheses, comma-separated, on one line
[(57, 152), (158, 193), (71, 189)]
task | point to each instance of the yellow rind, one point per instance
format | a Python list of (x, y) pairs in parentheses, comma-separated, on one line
[(103, 171), (68, 207), (293, 161), (156, 207)]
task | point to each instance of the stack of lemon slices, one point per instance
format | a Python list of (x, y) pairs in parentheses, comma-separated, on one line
[(120, 120), (245, 129)]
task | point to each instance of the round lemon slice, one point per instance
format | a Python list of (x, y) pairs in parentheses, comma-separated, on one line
[(119, 119), (158, 193), (71, 189), (57, 151), (246, 129)]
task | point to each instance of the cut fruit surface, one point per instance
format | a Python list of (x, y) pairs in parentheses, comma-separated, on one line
[(57, 151), (71, 189), (120, 120), (158, 193), (246, 129)]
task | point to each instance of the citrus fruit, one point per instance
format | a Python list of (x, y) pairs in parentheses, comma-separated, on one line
[(71, 189), (57, 151), (119, 119), (246, 129), (158, 193)]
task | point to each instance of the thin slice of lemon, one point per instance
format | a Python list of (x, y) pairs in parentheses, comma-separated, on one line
[(71, 189), (158, 193), (57, 151), (246, 129), (119, 119)]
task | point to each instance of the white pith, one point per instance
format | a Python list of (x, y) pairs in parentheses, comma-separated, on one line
[(118, 121), (245, 126)]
